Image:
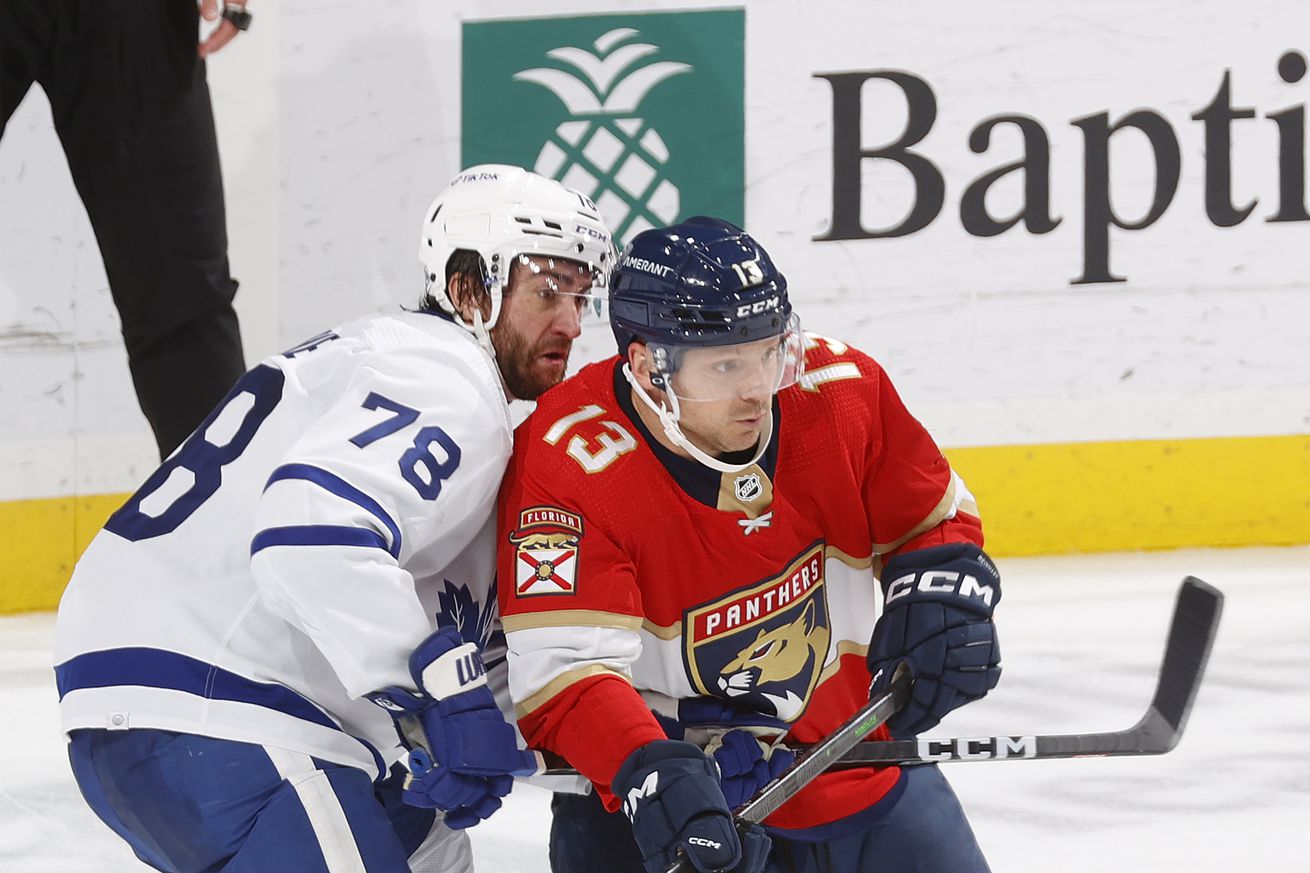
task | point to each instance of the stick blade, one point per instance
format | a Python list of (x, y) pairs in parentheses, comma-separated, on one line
[(1191, 636)]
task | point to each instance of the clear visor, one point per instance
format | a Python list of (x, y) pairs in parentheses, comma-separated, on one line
[(745, 370), (553, 283)]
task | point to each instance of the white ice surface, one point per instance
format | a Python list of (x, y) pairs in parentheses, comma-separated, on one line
[(1082, 639)]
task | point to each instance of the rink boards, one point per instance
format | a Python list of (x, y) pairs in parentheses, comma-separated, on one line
[(1074, 237)]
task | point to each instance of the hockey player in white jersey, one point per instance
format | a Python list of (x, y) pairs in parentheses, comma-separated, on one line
[(312, 569)]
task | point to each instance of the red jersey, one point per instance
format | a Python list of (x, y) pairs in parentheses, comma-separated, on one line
[(631, 577)]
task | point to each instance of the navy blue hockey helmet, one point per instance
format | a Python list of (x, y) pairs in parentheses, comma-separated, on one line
[(700, 282)]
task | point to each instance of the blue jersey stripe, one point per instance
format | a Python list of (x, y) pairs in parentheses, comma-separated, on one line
[(157, 668), (341, 488), (318, 535)]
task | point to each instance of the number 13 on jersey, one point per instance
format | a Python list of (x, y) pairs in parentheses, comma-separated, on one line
[(604, 448)]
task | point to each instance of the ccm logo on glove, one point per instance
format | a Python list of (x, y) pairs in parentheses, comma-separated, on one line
[(940, 582)]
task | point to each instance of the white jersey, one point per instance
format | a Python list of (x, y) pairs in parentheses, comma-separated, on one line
[(285, 561)]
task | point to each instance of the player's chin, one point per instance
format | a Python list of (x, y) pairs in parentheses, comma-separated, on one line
[(542, 374), (742, 437)]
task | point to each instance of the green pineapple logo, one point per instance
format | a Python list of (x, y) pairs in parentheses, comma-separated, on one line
[(647, 119), (610, 152)]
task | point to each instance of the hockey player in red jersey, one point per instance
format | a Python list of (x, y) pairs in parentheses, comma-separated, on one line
[(690, 538)]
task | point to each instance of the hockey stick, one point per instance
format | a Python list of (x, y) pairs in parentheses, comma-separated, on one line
[(1191, 634)]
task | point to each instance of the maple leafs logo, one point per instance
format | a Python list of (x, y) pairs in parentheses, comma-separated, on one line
[(458, 608)]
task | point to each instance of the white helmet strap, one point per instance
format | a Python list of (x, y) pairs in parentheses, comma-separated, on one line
[(482, 333), (483, 336), (669, 419)]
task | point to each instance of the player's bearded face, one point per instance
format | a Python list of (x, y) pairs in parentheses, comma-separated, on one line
[(539, 320)]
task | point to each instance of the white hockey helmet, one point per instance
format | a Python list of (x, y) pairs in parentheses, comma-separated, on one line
[(501, 212)]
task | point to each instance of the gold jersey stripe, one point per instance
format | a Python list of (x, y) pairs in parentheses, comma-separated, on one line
[(844, 647), (562, 681), (571, 618), (933, 519), (836, 554), (662, 632)]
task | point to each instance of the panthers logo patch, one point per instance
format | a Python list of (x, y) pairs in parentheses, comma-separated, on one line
[(547, 558), (763, 647)]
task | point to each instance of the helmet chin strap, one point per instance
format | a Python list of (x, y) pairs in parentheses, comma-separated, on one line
[(483, 336), (669, 419)]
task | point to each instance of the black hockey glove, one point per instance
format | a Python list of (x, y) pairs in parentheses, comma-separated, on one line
[(937, 619), (670, 791)]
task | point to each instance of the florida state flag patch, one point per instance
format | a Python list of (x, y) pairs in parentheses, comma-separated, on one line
[(547, 558)]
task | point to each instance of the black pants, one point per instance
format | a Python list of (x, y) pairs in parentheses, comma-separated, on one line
[(918, 828), (132, 111)]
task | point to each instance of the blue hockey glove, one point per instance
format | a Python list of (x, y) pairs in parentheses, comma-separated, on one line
[(670, 791), (702, 712), (746, 759), (463, 755), (746, 764), (937, 619)]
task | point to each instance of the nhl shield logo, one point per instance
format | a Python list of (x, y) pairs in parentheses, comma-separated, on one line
[(763, 647), (547, 555), (747, 487)]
